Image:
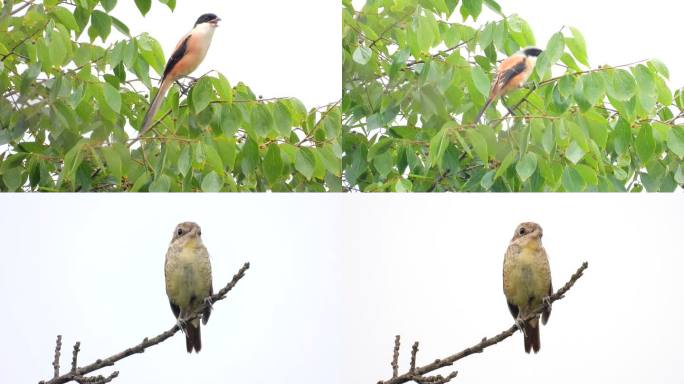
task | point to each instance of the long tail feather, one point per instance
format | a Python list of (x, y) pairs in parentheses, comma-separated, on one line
[(154, 107), (532, 336), (193, 337), (482, 111)]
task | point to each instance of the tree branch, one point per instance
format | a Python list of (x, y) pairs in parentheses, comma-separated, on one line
[(77, 374), (418, 373)]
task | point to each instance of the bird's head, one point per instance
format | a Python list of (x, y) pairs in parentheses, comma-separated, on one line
[(188, 230), (208, 18), (532, 51), (527, 232)]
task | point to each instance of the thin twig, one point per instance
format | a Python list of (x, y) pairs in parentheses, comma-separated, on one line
[(55, 362), (395, 357), (418, 373), (74, 358)]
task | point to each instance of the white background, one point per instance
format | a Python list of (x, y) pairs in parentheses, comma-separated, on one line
[(335, 277), (90, 267), (428, 267), (278, 48)]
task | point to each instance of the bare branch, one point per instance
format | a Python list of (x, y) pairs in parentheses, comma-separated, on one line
[(77, 374), (55, 362), (74, 358), (395, 357), (417, 374)]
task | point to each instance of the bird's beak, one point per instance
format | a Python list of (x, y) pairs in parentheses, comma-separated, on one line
[(215, 21)]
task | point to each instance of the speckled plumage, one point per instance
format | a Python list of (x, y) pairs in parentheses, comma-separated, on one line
[(188, 279), (527, 279)]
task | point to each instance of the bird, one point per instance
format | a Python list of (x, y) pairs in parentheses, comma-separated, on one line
[(187, 272), (527, 281), (187, 56), (511, 74)]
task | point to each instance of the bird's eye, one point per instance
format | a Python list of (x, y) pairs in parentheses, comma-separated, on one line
[(179, 231), (521, 231), (199, 233)]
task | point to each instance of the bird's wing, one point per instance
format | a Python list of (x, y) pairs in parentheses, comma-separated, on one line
[(504, 75), (178, 54)]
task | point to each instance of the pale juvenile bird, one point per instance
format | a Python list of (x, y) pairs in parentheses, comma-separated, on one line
[(527, 281), (187, 56), (511, 74), (188, 280)]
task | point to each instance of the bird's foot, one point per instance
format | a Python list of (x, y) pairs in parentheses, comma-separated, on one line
[(208, 302), (521, 325), (547, 302), (180, 323)]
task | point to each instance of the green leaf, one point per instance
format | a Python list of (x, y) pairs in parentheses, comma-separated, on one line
[(574, 152), (200, 95), (526, 166), (223, 88), (424, 34), (622, 85), (143, 6), (112, 97), (487, 180), (73, 159), (273, 163), (551, 55), (332, 162), (282, 119), (120, 26), (472, 8), (479, 144), (114, 166), (212, 182), (160, 184), (169, 3), (102, 24), (480, 80), (594, 87), (108, 5), (645, 143), (675, 141), (362, 55), (578, 46), (438, 144), (505, 164), (548, 142), (66, 18), (588, 174), (572, 180), (184, 160), (262, 119), (12, 179), (305, 162), (212, 158)]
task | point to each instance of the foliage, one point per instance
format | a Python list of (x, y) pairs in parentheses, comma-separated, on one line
[(414, 77), (66, 102)]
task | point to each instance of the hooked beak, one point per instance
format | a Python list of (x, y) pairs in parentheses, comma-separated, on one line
[(215, 21)]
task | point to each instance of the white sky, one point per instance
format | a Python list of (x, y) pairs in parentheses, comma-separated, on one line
[(90, 267), (428, 267), (335, 277), (278, 48)]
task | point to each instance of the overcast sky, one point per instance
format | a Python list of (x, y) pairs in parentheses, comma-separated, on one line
[(278, 48), (335, 277)]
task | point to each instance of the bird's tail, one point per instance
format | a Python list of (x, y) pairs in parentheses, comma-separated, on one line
[(531, 335), (154, 107), (484, 108), (193, 337)]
